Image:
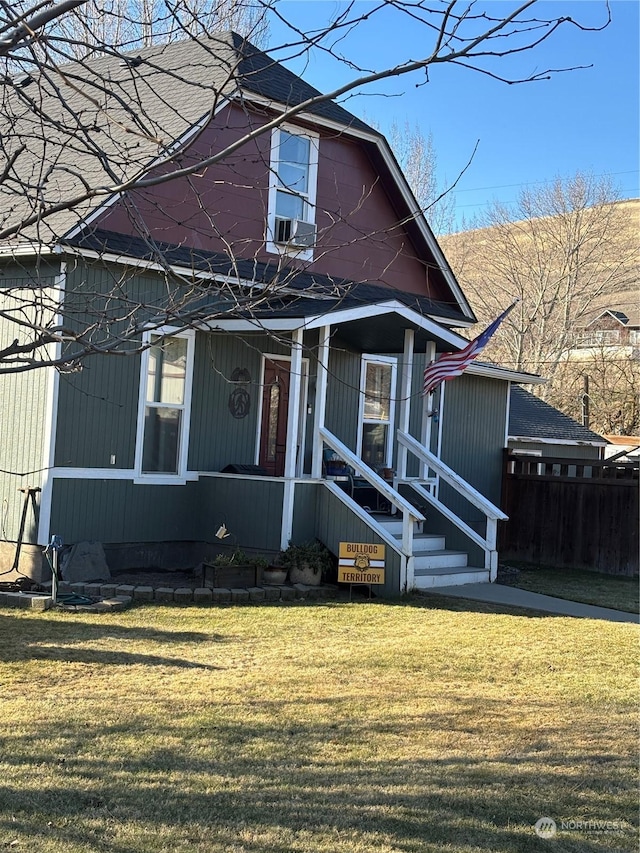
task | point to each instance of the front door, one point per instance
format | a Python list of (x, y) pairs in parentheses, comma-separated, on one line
[(275, 409)]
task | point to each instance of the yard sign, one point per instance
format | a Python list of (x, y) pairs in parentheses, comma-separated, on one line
[(360, 562)]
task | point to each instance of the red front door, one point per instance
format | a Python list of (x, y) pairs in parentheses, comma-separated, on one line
[(275, 408)]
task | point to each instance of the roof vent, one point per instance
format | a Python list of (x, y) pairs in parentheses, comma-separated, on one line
[(23, 80), (132, 61)]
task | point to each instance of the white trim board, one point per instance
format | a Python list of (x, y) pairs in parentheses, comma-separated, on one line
[(314, 321), (568, 441)]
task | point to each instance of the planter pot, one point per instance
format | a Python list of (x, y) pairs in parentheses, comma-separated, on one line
[(231, 576), (306, 574), (274, 576)]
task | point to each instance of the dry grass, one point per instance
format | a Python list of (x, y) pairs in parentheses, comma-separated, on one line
[(336, 728), (619, 593)]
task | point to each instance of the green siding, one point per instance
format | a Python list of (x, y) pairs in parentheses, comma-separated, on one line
[(417, 405), (474, 432), (343, 395), (217, 438), (304, 514), (98, 406), (251, 509), (23, 398), (97, 412), (336, 523), (113, 511)]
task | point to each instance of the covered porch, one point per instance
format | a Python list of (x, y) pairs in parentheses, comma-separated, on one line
[(344, 388)]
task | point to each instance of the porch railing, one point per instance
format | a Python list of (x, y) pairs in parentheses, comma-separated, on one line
[(492, 513), (410, 515)]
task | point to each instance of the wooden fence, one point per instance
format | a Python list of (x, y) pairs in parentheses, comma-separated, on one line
[(570, 513)]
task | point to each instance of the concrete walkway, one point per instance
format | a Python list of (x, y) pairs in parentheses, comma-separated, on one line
[(495, 593)]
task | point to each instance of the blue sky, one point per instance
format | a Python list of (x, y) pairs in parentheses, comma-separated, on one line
[(585, 120)]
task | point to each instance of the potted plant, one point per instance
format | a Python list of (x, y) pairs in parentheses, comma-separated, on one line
[(275, 574), (307, 563)]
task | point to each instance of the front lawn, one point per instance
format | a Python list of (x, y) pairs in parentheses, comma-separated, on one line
[(619, 593), (333, 728)]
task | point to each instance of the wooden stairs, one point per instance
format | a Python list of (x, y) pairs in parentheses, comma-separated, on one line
[(434, 565)]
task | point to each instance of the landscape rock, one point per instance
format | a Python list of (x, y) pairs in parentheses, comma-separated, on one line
[(83, 562)]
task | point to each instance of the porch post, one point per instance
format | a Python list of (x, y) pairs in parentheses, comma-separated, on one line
[(405, 399), (291, 454), (320, 405), (427, 416)]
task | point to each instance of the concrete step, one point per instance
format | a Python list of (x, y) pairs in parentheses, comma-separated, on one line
[(441, 559), (433, 578), (425, 542), (393, 524)]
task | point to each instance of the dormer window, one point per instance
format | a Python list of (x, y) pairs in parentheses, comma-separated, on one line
[(294, 170)]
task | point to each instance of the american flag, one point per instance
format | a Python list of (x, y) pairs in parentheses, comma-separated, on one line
[(452, 364)]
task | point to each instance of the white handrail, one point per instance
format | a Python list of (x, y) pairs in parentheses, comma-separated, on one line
[(450, 476), (369, 474), (366, 517), (409, 513), (493, 513)]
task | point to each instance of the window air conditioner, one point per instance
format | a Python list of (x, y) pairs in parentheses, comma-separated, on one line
[(295, 232)]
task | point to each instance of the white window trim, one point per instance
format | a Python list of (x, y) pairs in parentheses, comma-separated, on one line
[(181, 476), (378, 359), (314, 138)]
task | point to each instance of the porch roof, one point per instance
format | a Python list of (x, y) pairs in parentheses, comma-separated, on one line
[(371, 326), (372, 317)]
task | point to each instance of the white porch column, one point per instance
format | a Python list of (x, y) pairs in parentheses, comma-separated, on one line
[(320, 405), (427, 415), (291, 455), (405, 399)]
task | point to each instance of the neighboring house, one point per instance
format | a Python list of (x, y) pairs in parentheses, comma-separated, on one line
[(613, 331), (538, 429), (313, 296), (625, 448)]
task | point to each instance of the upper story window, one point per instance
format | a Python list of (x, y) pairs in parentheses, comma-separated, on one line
[(292, 194), (164, 407)]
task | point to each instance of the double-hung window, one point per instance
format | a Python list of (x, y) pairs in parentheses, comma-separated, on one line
[(164, 406), (378, 389), (292, 194)]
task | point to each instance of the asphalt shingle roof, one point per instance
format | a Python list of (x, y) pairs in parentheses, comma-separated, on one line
[(310, 293), (531, 417), (103, 120)]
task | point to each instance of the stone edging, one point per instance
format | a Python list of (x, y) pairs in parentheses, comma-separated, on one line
[(112, 596)]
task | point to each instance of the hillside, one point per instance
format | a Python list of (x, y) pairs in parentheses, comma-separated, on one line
[(565, 270)]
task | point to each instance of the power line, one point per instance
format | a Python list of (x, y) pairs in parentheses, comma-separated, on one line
[(536, 183)]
